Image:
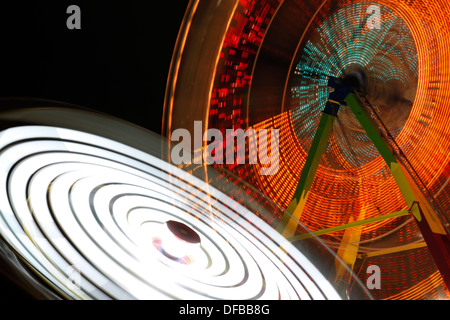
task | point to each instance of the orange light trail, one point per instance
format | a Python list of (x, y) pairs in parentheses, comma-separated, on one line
[(339, 194)]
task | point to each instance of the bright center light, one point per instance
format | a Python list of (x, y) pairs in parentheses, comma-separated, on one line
[(179, 242)]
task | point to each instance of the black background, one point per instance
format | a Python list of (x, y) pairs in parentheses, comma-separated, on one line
[(117, 63)]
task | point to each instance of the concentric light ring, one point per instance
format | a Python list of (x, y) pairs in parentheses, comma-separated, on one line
[(89, 215)]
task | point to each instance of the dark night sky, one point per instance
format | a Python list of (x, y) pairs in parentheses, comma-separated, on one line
[(117, 63)]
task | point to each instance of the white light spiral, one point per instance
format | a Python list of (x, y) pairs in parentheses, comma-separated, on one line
[(89, 215)]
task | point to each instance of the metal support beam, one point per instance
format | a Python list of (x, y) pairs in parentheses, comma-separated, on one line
[(408, 188), (382, 252), (350, 225), (289, 222), (430, 225), (347, 254)]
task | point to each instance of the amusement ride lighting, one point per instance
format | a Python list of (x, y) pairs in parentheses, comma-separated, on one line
[(97, 219), (271, 72)]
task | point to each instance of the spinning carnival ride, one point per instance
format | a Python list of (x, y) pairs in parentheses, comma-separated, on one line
[(268, 64), (94, 208)]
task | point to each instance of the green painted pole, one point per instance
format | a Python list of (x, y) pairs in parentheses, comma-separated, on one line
[(349, 225), (409, 189), (430, 225), (290, 220)]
